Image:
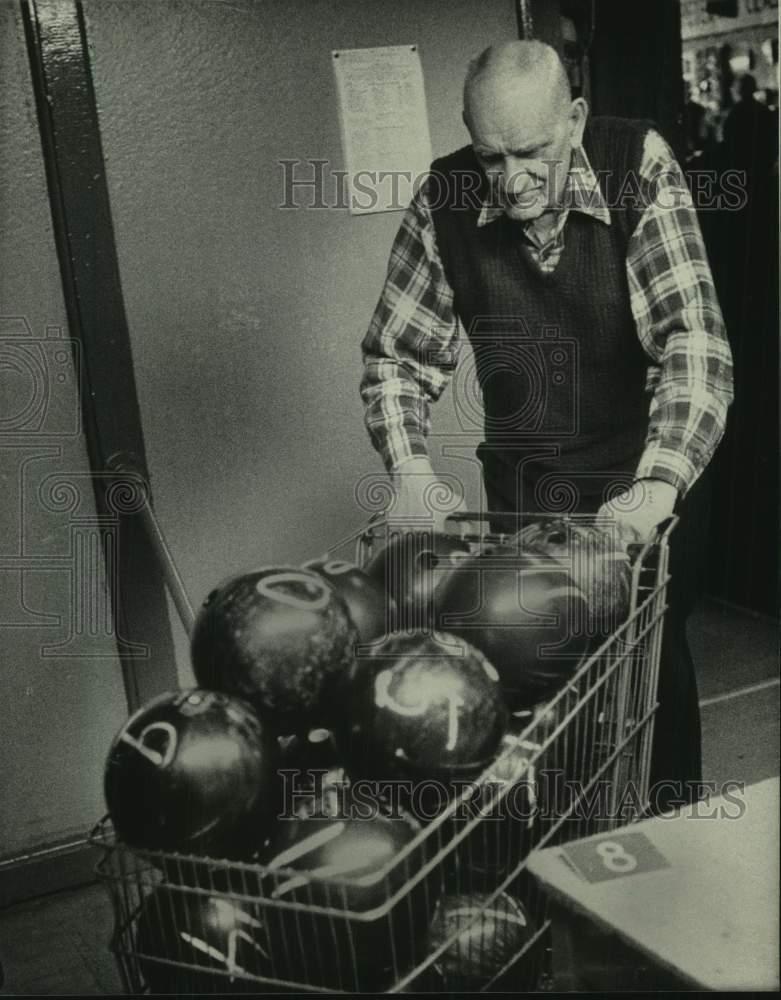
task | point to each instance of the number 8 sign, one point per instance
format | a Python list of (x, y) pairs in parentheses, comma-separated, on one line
[(614, 855)]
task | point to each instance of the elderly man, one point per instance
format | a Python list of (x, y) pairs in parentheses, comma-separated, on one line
[(569, 251)]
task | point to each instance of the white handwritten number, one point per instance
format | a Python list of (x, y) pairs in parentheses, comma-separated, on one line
[(140, 744), (384, 699), (316, 597), (235, 935), (455, 702), (337, 566)]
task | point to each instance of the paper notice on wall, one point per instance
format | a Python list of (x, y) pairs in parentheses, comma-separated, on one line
[(385, 135)]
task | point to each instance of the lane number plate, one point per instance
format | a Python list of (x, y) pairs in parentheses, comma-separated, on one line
[(614, 856)]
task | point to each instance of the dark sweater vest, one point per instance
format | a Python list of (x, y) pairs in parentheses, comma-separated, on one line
[(558, 360)]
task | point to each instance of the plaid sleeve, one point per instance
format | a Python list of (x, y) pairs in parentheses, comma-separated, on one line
[(679, 324), (411, 347)]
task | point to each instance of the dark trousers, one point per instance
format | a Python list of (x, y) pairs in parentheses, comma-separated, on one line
[(676, 757)]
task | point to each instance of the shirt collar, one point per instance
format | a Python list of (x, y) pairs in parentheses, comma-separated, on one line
[(582, 194)]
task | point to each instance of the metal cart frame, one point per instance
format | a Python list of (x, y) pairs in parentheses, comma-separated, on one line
[(599, 727)]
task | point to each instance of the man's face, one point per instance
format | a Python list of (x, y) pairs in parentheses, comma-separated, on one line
[(523, 139)]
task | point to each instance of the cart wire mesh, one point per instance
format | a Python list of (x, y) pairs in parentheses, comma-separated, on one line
[(454, 908)]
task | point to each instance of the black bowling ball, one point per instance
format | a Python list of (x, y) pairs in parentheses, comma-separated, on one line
[(595, 558), (279, 637), (339, 874), (525, 613), (422, 710), (573, 739), (310, 768), (189, 943), (370, 609), (191, 772), (490, 934), (410, 567), (507, 804)]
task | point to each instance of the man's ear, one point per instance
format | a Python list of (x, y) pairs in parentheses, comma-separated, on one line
[(578, 116)]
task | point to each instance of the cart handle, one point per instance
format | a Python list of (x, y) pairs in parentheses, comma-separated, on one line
[(121, 466)]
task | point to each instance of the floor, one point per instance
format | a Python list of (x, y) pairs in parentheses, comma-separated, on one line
[(57, 945)]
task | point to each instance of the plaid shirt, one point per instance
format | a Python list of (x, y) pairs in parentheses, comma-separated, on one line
[(673, 302)]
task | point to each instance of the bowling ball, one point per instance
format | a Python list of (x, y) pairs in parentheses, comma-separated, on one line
[(560, 760), (506, 802), (310, 767), (571, 741), (338, 869), (525, 613), (422, 710), (278, 637), (206, 944), (410, 567), (190, 772), (428, 981), (490, 933), (539, 721), (370, 609), (595, 558)]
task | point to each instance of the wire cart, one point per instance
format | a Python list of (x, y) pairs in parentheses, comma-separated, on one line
[(454, 909)]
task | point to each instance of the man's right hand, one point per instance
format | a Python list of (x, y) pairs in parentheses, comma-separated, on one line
[(421, 501)]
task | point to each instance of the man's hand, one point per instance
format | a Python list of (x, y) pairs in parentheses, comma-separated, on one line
[(643, 507), (422, 501)]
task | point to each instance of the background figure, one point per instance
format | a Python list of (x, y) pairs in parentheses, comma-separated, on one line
[(750, 131), (572, 55), (742, 243), (695, 127)]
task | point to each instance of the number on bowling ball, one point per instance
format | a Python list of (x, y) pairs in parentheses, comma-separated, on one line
[(279, 637), (490, 934), (294, 590), (197, 943), (192, 772), (371, 611), (422, 709), (345, 864)]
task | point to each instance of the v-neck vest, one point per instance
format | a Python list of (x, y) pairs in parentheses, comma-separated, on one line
[(557, 356)]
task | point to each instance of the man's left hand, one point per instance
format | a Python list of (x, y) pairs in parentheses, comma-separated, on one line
[(643, 507)]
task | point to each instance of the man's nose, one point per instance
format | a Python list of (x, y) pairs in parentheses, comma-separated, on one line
[(517, 177)]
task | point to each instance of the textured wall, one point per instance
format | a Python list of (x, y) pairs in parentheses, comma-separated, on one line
[(245, 323), (246, 319), (61, 695)]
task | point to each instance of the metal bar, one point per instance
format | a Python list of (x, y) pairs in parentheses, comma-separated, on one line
[(523, 14), (655, 641), (122, 468), (57, 47), (170, 572), (34, 873)]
